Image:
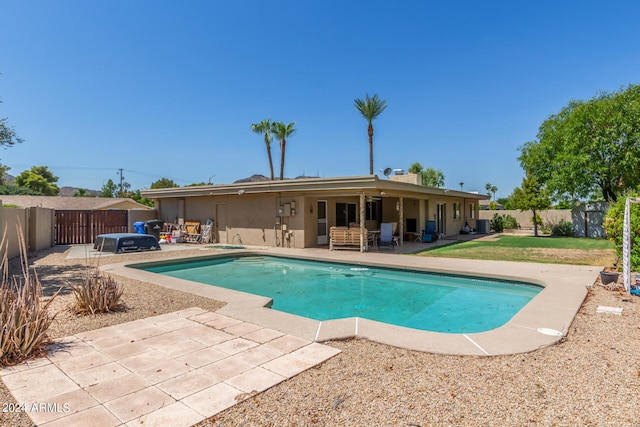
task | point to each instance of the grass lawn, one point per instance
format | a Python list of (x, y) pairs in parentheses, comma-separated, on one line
[(558, 250)]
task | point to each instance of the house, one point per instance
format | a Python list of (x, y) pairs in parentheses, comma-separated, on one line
[(299, 212), (72, 203)]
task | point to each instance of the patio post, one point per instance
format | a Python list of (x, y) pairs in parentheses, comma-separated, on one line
[(362, 217)]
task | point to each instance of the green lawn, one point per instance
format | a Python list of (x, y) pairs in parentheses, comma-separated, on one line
[(561, 250)]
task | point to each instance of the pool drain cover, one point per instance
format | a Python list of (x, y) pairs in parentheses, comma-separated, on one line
[(548, 331)]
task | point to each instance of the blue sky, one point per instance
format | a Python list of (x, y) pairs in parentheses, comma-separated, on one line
[(169, 89)]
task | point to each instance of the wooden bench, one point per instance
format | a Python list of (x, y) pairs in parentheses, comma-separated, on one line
[(346, 238)]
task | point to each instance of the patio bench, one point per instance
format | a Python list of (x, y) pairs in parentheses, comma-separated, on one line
[(346, 238)]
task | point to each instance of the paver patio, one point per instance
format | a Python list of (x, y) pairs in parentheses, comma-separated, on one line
[(174, 369)]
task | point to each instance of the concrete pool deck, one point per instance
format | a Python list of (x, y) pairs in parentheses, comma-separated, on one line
[(180, 368), (542, 322), (175, 369)]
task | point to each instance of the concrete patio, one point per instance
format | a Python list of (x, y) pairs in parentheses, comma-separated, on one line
[(174, 370)]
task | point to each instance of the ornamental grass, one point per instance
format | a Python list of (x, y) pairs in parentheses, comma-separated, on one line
[(97, 293), (23, 316)]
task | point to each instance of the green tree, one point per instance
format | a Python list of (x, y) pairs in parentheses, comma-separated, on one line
[(415, 168), (506, 202), (588, 147), (614, 227), (8, 136), (281, 132), (39, 178), (432, 177), (531, 196), (16, 190), (81, 192), (3, 174), (370, 108), (137, 196), (264, 128), (164, 183), (109, 189)]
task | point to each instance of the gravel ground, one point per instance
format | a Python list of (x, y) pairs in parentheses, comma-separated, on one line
[(591, 378)]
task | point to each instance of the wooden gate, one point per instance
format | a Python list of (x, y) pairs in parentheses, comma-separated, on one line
[(81, 227)]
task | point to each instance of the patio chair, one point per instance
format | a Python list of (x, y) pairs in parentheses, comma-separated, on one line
[(429, 233), (192, 230), (386, 236), (207, 232)]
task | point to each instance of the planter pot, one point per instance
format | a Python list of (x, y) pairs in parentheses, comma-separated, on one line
[(607, 277)]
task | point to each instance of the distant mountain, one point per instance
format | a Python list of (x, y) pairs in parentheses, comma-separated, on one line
[(252, 178), (258, 178), (70, 191)]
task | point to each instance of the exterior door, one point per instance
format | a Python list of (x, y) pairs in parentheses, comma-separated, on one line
[(345, 214), (221, 223), (441, 219), (322, 222)]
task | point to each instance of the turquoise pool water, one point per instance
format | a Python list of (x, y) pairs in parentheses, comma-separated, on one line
[(323, 291)]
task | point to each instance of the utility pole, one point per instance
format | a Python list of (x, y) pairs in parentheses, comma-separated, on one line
[(121, 180)]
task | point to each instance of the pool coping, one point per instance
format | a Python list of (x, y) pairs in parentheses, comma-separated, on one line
[(565, 288)]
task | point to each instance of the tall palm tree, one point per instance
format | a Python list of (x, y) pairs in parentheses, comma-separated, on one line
[(370, 108), (264, 127), (282, 132), (461, 185)]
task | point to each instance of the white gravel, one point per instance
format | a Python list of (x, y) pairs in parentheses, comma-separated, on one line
[(591, 378)]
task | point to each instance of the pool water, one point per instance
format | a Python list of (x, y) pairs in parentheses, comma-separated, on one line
[(324, 291)]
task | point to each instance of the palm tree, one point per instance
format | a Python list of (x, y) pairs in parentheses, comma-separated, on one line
[(488, 187), (282, 132), (264, 127), (461, 185), (370, 108)]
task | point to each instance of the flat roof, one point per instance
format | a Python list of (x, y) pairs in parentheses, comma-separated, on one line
[(367, 184)]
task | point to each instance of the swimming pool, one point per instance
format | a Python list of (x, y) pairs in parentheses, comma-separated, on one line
[(330, 290)]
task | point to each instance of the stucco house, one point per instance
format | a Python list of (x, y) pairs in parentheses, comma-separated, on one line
[(299, 212)]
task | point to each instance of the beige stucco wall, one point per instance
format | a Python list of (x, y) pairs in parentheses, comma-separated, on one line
[(13, 222), (254, 219), (41, 225), (549, 217), (138, 215)]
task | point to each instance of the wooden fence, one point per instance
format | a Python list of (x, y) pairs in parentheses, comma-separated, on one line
[(82, 226)]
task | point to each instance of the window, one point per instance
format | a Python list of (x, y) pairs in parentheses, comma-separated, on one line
[(373, 211), (456, 211), (345, 213), (472, 211)]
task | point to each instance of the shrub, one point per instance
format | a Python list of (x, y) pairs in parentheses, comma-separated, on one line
[(509, 221), (497, 223), (500, 222), (614, 227), (96, 293), (536, 220), (563, 228), (24, 319)]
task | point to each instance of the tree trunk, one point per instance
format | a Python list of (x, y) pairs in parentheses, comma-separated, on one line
[(370, 148), (535, 223), (283, 144), (270, 162)]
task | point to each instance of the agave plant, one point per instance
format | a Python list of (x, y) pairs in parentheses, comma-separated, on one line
[(24, 319)]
